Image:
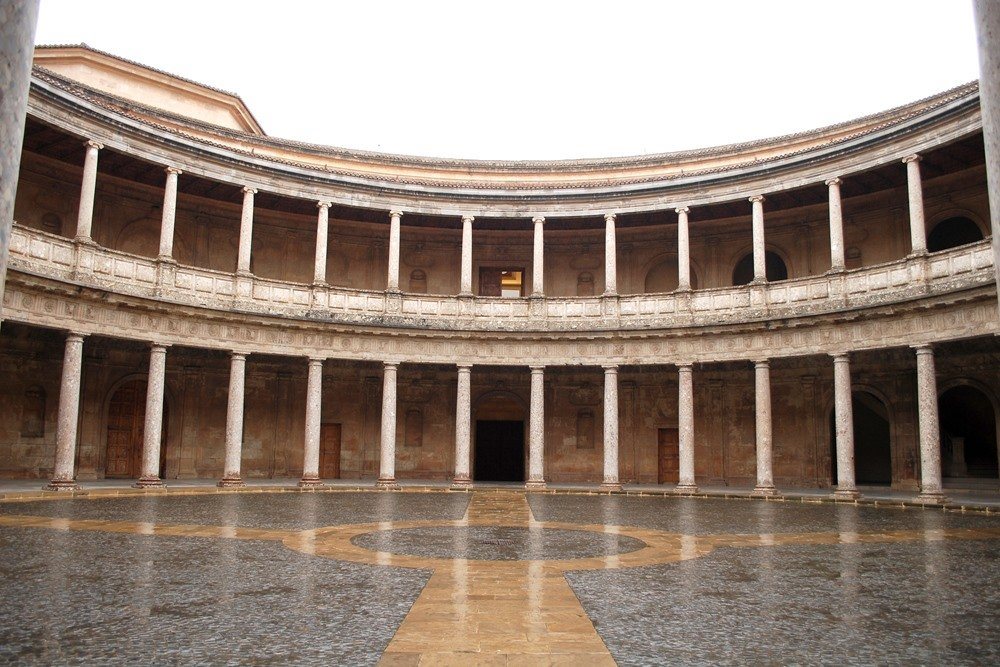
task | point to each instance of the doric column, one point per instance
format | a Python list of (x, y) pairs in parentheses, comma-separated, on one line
[(759, 248), (322, 240), (610, 256), (930, 436), (463, 428), (611, 482), (69, 411), (246, 232), (536, 437), (843, 415), (685, 429), (392, 282), (683, 249), (988, 30), (234, 421), (314, 414), (153, 426), (466, 287), (387, 456), (762, 382), (169, 214), (85, 217), (836, 226), (915, 190), (538, 259)]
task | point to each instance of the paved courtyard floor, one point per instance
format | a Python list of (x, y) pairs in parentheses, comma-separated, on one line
[(495, 576)]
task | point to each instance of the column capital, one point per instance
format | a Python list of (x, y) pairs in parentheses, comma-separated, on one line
[(912, 158), (468, 218), (323, 204), (156, 346), (76, 335), (682, 209), (762, 363), (610, 369), (173, 170), (237, 355), (841, 357), (756, 199), (90, 143), (316, 360), (685, 367), (538, 219), (923, 348), (391, 365), (395, 213), (249, 190), (610, 217), (536, 370), (833, 181), (464, 368)]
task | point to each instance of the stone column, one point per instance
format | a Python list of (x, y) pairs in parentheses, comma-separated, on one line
[(988, 29), (463, 428), (610, 256), (69, 412), (314, 417), (536, 437), (685, 429), (611, 482), (759, 248), (930, 436), (918, 234), (322, 240), (466, 287), (153, 427), (762, 381), (234, 421), (683, 250), (844, 419), (836, 226), (85, 217), (392, 282), (246, 232), (538, 259), (387, 455), (169, 214)]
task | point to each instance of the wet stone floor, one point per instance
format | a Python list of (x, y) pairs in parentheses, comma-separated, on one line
[(493, 577)]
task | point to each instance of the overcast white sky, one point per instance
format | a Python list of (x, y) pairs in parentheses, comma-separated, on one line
[(540, 79)]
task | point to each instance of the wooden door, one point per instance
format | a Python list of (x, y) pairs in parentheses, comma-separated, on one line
[(489, 281), (126, 418), (669, 461), (329, 451)]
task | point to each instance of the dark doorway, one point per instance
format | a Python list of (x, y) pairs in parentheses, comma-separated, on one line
[(499, 451), (774, 269), (872, 450), (968, 433), (952, 233)]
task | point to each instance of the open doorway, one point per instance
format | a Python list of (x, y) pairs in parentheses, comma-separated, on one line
[(968, 433), (499, 450), (872, 448)]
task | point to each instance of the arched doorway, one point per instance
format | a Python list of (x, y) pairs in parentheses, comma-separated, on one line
[(872, 440), (953, 232), (968, 433), (499, 438), (662, 277), (774, 268), (126, 424)]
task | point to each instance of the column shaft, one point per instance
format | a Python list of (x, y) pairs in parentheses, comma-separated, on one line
[(322, 241), (69, 411), (683, 250), (463, 428), (685, 429), (844, 420), (536, 439), (169, 215), (387, 456), (611, 482), (88, 188), (466, 286), (153, 426), (392, 281), (246, 232), (988, 30), (538, 258), (314, 415), (915, 190), (759, 246), (762, 382), (234, 421), (836, 226), (927, 416), (610, 256)]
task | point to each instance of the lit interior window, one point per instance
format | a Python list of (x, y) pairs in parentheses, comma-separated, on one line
[(510, 283)]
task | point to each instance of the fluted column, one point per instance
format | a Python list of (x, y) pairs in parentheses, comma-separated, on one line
[(683, 249), (88, 187), (762, 382), (314, 414), (322, 241), (166, 253), (610, 256), (930, 435), (538, 258), (63, 478), (759, 247), (466, 287), (915, 190), (843, 415), (536, 437), (153, 427), (463, 428), (246, 232), (392, 281), (685, 429), (234, 421), (836, 226), (611, 482), (387, 455)]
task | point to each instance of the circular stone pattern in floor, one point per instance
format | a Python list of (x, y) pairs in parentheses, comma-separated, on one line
[(497, 543)]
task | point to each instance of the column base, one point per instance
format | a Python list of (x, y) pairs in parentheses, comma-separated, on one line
[(835, 271), (611, 487), (62, 485), (461, 484), (311, 483), (230, 483), (764, 491), (166, 259), (387, 484), (149, 483), (846, 494), (244, 274), (320, 284), (84, 240), (686, 489), (931, 497), (535, 485)]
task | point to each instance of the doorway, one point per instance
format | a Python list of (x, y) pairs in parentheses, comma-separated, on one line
[(329, 451), (126, 425), (499, 450), (872, 446), (668, 457), (968, 433)]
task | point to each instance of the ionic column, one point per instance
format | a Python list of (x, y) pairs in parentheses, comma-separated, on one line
[(246, 232), (538, 258), (463, 428), (392, 282), (915, 190), (759, 248), (88, 187), (685, 429), (762, 382), (836, 226), (843, 417), (611, 482), (69, 411), (610, 256), (322, 240), (683, 249), (169, 214), (314, 413), (536, 436), (466, 287), (153, 426), (930, 436), (387, 455), (234, 421)]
